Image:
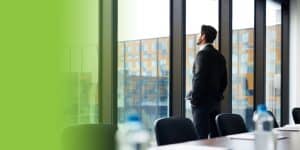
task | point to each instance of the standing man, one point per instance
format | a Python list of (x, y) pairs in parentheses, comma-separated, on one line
[(209, 83)]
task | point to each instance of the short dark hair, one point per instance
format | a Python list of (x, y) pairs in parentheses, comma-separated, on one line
[(210, 33)]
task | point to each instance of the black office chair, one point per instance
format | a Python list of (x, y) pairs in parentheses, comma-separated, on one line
[(89, 137), (174, 130), (296, 115), (275, 124), (230, 124)]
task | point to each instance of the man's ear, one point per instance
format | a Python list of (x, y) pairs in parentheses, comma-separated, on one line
[(198, 39), (203, 37)]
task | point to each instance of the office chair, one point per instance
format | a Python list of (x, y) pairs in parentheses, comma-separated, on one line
[(230, 124), (89, 137), (296, 115), (174, 130), (275, 124)]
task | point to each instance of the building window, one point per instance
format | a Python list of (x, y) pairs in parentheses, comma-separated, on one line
[(273, 58), (243, 59), (143, 60)]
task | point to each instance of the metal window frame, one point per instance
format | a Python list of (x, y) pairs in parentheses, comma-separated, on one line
[(285, 61), (177, 57), (225, 40), (225, 46), (260, 57), (108, 55), (259, 52), (100, 105)]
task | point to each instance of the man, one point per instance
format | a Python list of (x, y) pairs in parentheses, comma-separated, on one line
[(209, 83)]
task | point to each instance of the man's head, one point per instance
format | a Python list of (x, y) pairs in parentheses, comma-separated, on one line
[(208, 35)]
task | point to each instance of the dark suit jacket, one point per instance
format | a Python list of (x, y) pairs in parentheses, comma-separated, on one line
[(209, 77)]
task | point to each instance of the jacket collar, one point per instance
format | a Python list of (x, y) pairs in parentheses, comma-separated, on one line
[(202, 47)]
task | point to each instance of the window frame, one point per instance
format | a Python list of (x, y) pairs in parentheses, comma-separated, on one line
[(108, 57)]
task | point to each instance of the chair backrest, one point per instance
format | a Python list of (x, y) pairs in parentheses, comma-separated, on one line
[(296, 115), (275, 124), (174, 130), (230, 124), (89, 137)]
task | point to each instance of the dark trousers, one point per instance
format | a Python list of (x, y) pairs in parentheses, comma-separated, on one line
[(204, 120)]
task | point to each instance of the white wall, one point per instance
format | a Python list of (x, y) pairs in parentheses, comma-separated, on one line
[(294, 54)]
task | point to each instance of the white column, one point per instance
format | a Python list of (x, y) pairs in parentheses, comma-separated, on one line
[(294, 55)]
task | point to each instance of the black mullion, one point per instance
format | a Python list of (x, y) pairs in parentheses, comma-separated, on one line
[(100, 35), (177, 57), (225, 46), (115, 63), (260, 53), (285, 64)]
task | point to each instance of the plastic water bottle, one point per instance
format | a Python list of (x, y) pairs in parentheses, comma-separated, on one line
[(264, 137), (132, 135)]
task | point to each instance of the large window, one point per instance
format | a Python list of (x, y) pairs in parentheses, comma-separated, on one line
[(197, 15), (144, 55), (243, 58), (273, 57), (143, 60)]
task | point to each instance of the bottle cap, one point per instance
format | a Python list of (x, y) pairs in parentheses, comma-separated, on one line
[(133, 118), (261, 108)]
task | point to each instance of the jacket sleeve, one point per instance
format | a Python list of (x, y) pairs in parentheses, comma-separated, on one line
[(200, 75), (224, 77)]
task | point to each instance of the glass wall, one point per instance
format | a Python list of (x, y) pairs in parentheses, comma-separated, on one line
[(143, 60), (197, 15), (273, 57), (243, 58), (81, 63)]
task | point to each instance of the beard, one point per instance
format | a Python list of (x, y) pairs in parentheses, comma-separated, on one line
[(200, 41)]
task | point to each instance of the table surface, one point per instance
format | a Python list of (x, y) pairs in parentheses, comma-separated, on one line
[(292, 142)]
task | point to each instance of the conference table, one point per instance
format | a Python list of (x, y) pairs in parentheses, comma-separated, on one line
[(290, 141)]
